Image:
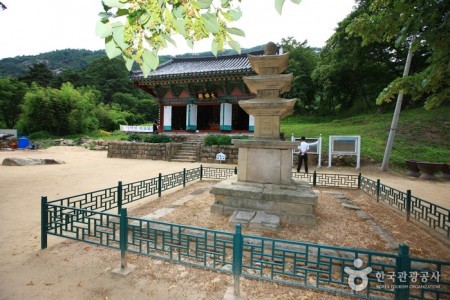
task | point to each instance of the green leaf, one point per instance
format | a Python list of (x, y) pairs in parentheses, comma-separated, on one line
[(180, 26), (122, 12), (170, 40), (215, 48), (204, 4), (145, 69), (235, 45), (128, 62), (111, 48), (279, 5), (150, 59), (179, 11), (190, 43), (235, 31), (118, 35), (235, 14), (103, 29), (105, 15), (113, 3), (225, 3), (211, 23), (296, 1)]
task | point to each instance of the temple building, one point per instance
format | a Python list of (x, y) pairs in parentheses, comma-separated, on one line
[(201, 94)]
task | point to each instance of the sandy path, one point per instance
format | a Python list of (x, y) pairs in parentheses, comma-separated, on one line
[(26, 271)]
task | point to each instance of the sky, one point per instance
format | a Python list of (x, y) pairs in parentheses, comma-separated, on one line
[(30, 27)]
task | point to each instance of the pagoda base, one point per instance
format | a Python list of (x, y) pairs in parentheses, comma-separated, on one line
[(294, 203)]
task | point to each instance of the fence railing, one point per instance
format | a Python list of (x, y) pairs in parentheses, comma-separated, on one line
[(430, 214), (315, 266)]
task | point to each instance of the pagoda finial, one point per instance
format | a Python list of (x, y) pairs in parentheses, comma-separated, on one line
[(270, 49)]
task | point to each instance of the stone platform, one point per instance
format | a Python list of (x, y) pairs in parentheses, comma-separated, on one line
[(294, 203)]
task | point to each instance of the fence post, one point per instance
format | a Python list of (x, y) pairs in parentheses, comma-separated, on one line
[(235, 170), (403, 264), (408, 204), (201, 172), (159, 184), (119, 197), (123, 238), (44, 222), (359, 180), (237, 260), (378, 190), (314, 178), (184, 177)]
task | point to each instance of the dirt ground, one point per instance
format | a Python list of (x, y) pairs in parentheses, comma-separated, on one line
[(74, 270)]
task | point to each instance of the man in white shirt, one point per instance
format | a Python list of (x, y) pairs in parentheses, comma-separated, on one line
[(303, 155)]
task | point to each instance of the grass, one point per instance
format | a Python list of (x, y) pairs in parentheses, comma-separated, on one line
[(420, 135)]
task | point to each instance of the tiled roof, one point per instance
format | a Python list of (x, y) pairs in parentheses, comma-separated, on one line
[(200, 66)]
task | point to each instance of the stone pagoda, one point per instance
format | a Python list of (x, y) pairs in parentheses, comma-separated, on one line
[(264, 181)]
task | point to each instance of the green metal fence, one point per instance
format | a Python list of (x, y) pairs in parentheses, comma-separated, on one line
[(321, 267)]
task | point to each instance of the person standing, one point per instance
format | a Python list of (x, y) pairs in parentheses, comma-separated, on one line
[(155, 127), (303, 154)]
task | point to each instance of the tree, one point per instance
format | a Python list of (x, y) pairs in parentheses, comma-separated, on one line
[(12, 92), (110, 77), (59, 112), (302, 62), (38, 73), (350, 75), (398, 21), (139, 29)]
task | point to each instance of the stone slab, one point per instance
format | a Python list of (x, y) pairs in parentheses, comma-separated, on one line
[(125, 271), (241, 217), (159, 213), (351, 206), (183, 200), (263, 221)]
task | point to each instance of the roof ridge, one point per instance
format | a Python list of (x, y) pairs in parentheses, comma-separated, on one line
[(212, 57)]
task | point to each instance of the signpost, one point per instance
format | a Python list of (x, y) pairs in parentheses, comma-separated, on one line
[(344, 145)]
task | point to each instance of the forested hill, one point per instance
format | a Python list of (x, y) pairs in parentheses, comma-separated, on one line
[(76, 59), (55, 60)]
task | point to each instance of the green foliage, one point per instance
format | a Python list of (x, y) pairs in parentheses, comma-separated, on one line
[(40, 135), (110, 116), (135, 137), (430, 127), (350, 75), (217, 140), (59, 112), (425, 23), (68, 59), (157, 138), (138, 30), (12, 92), (38, 73), (302, 62), (153, 138)]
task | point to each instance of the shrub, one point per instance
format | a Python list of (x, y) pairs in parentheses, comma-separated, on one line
[(40, 135), (157, 138), (217, 140), (135, 137)]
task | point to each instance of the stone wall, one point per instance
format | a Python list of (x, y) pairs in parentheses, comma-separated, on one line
[(138, 150), (208, 154)]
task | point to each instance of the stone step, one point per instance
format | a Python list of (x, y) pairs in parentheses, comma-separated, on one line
[(186, 152), (182, 160)]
